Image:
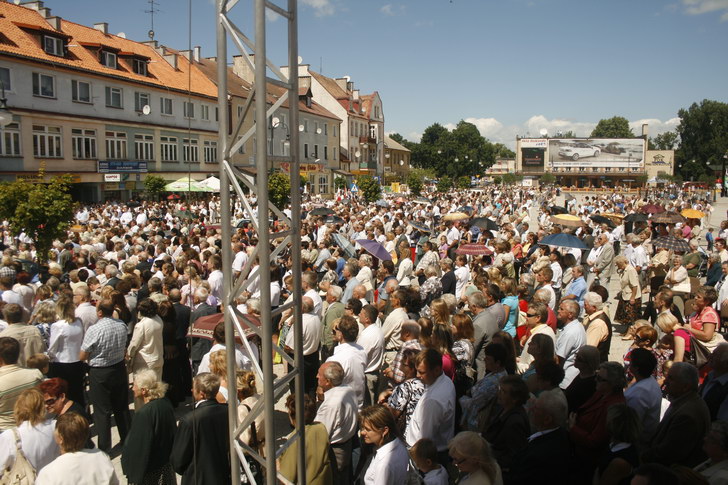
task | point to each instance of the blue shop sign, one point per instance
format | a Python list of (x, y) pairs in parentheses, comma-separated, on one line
[(115, 166)]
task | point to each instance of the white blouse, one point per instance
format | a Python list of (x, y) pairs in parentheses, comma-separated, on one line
[(389, 465), (65, 341), (37, 444)]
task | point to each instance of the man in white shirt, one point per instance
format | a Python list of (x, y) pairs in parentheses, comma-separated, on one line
[(241, 257), (85, 311), (544, 277), (371, 340), (462, 275), (309, 283), (434, 415), (571, 338), (351, 356), (311, 329), (338, 412), (214, 264)]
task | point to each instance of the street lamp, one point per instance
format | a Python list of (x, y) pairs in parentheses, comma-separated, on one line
[(6, 117)]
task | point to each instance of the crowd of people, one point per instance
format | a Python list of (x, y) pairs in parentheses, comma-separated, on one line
[(464, 338)]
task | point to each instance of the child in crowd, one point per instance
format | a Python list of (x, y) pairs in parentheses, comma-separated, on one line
[(40, 362), (424, 454)]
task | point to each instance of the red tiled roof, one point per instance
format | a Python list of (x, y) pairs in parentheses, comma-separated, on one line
[(82, 51)]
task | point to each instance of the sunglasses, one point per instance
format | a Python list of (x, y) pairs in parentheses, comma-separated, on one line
[(531, 315), (51, 401)]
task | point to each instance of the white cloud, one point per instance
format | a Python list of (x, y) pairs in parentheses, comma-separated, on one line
[(322, 8), (387, 9), (699, 7)]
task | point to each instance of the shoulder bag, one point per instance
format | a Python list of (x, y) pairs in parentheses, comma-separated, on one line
[(21, 472)]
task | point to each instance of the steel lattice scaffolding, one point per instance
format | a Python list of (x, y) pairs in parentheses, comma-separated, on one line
[(231, 179)]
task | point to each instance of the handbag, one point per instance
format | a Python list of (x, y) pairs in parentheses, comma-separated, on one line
[(699, 353), (22, 472)]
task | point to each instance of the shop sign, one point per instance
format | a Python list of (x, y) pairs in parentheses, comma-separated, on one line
[(32, 178), (112, 177), (107, 166), (111, 186)]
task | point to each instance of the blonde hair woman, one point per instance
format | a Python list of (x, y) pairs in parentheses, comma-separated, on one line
[(34, 432), (218, 366), (472, 456), (669, 324), (249, 397), (64, 348)]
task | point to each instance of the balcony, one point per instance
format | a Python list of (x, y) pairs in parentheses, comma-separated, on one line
[(367, 139)]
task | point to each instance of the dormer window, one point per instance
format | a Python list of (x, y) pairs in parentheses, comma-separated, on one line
[(139, 66), (108, 59), (53, 45)]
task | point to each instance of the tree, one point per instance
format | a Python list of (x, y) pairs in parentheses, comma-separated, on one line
[(568, 134), (279, 189), (43, 211), (502, 151), (415, 183), (463, 182), (154, 185), (707, 178), (497, 179), (641, 180), (614, 127), (508, 178), (370, 189), (547, 179), (692, 170), (703, 132), (339, 183), (664, 141), (444, 184)]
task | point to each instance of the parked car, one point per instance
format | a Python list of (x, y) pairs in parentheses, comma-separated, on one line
[(578, 150)]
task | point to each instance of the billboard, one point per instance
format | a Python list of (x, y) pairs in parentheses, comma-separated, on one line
[(532, 159), (620, 153)]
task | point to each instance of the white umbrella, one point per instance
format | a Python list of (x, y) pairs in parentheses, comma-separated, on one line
[(212, 183)]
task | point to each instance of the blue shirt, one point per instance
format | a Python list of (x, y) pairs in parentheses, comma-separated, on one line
[(105, 341), (577, 287), (512, 303)]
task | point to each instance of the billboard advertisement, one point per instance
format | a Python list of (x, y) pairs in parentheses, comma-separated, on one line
[(619, 153)]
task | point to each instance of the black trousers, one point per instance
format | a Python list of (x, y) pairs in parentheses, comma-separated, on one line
[(73, 374), (109, 393), (311, 364)]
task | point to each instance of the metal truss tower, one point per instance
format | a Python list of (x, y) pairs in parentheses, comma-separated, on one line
[(230, 180)]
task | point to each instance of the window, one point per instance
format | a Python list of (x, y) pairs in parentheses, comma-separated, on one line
[(115, 145), (10, 140), (5, 78), (140, 100), (166, 106), (144, 147), (139, 66), (188, 109), (316, 127), (315, 151), (210, 151), (108, 59), (326, 152), (169, 148), (335, 158), (305, 150), (81, 91), (47, 141), (217, 114), (205, 112), (334, 130), (240, 111), (285, 147), (84, 143), (53, 45), (44, 85), (323, 184), (190, 150), (305, 126), (241, 150), (114, 98), (326, 128)]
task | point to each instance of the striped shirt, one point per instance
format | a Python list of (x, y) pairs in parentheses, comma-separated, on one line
[(13, 381), (105, 341)]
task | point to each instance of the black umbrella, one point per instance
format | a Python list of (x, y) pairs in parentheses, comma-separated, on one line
[(556, 209), (601, 220), (133, 203), (467, 209), (422, 200), (321, 211), (568, 197), (484, 223), (637, 217), (345, 245), (333, 220)]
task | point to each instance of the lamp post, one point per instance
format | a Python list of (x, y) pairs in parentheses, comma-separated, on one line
[(6, 117)]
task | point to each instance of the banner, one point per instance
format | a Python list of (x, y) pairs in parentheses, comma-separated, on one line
[(621, 153)]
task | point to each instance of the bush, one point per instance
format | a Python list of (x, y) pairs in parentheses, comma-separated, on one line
[(279, 189), (464, 182), (339, 183), (154, 185), (414, 182), (444, 184)]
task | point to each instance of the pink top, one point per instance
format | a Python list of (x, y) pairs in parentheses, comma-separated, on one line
[(448, 366), (708, 315)]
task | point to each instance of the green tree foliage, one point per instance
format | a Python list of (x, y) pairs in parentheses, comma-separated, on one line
[(154, 185), (497, 179), (664, 141), (463, 182), (641, 180), (692, 170), (568, 134), (707, 178), (444, 184), (703, 132), (614, 127), (547, 179), (339, 183), (369, 188), (502, 151), (279, 189), (415, 182), (508, 178), (43, 211)]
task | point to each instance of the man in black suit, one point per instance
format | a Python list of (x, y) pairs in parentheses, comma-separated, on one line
[(679, 436), (200, 346), (448, 279), (714, 390), (201, 453), (547, 456), (182, 325)]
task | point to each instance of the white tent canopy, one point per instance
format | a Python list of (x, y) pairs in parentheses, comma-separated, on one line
[(211, 183)]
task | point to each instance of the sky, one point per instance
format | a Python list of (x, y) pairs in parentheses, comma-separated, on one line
[(511, 67)]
